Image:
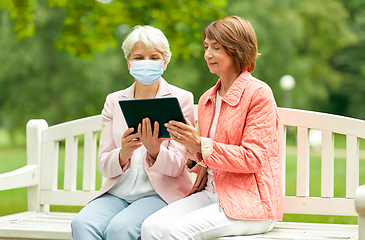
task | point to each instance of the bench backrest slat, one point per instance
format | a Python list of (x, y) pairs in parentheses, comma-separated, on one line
[(303, 162), (90, 150), (70, 174), (327, 164), (282, 135), (352, 165), (49, 166)]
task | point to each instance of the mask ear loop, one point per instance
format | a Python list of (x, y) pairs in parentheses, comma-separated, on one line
[(163, 65)]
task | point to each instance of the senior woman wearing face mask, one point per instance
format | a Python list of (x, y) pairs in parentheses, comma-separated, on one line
[(143, 172)]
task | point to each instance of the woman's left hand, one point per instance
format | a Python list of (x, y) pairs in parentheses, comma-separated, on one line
[(185, 134), (150, 139)]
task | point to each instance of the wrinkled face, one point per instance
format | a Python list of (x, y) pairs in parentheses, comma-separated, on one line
[(219, 62), (141, 52)]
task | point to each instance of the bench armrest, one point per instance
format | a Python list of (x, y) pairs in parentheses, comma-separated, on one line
[(360, 209), (23, 177)]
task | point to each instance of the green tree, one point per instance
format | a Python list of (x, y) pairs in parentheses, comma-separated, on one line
[(73, 58), (89, 25), (349, 98), (298, 38), (37, 81)]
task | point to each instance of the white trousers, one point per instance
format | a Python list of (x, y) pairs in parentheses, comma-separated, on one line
[(198, 217)]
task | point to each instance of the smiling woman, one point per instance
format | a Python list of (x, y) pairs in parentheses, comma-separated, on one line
[(220, 63), (236, 156)]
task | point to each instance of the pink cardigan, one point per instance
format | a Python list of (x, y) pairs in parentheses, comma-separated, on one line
[(245, 152), (167, 174)]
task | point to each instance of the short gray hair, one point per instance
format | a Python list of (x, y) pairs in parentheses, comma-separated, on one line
[(152, 37)]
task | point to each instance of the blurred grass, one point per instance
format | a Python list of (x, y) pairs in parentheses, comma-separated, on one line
[(12, 201)]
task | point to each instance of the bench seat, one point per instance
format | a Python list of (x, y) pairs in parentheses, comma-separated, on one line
[(57, 225), (36, 225)]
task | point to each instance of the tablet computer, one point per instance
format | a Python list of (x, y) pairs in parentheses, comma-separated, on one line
[(161, 110)]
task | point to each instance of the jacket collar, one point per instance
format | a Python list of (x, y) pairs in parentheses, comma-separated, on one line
[(163, 90), (234, 93)]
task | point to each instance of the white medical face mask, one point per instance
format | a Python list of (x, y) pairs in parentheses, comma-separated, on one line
[(146, 71)]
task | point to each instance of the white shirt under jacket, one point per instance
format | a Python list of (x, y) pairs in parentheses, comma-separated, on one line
[(167, 174)]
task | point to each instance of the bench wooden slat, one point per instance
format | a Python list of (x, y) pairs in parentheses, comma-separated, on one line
[(285, 230), (90, 150), (352, 165), (282, 135), (50, 152), (303, 162), (18, 216), (66, 198), (319, 206), (36, 225), (322, 121), (70, 176), (327, 165), (72, 128)]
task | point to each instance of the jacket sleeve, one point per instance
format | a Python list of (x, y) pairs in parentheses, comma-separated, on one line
[(108, 159), (259, 131), (171, 158)]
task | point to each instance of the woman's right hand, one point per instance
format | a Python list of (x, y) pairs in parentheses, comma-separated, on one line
[(185, 134), (130, 142)]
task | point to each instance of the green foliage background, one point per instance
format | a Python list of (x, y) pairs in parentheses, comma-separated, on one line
[(60, 58)]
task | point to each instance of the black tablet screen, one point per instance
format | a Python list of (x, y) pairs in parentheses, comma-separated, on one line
[(161, 110)]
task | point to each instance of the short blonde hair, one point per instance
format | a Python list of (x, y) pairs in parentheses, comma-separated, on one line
[(151, 37), (238, 38)]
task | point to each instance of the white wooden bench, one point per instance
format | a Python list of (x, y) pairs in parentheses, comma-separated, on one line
[(41, 176)]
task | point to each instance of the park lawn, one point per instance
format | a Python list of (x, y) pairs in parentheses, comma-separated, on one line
[(12, 201)]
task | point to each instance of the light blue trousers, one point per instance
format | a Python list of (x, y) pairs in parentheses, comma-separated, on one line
[(110, 218)]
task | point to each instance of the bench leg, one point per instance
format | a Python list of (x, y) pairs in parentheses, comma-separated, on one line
[(361, 220)]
